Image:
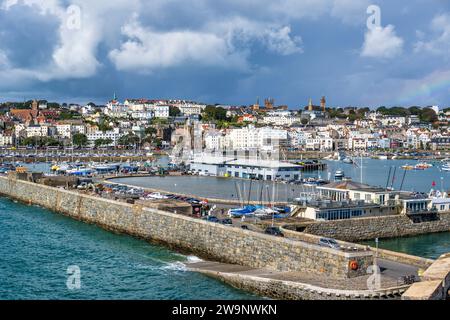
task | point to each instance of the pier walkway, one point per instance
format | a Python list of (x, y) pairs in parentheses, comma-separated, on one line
[(297, 285)]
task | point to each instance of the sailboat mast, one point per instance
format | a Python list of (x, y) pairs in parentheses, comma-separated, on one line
[(389, 177)]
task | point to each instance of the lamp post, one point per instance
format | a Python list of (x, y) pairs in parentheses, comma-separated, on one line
[(376, 251)]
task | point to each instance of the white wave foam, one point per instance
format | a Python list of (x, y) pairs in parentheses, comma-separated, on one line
[(175, 266), (193, 259)]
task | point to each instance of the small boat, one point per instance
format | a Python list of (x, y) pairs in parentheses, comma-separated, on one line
[(446, 167), (339, 175), (245, 211), (264, 212), (407, 167), (156, 195), (422, 166), (348, 161), (382, 157)]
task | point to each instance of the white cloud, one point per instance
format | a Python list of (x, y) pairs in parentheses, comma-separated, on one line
[(146, 49), (440, 39), (241, 32), (220, 43), (280, 41), (223, 33), (75, 55), (382, 42)]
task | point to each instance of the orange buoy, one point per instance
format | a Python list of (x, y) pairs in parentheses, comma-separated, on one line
[(354, 265)]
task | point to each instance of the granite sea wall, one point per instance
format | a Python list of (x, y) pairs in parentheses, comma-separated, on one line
[(206, 239), (354, 230)]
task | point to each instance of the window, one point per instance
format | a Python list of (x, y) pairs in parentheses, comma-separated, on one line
[(442, 207), (357, 196), (368, 197)]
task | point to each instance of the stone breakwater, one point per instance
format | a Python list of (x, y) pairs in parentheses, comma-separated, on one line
[(382, 253), (289, 290), (208, 240), (354, 230)]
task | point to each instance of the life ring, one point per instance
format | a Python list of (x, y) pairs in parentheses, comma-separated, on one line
[(354, 265)]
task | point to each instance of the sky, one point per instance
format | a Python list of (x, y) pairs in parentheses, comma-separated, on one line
[(354, 52)]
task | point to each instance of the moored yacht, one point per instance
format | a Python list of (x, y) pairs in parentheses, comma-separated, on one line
[(446, 167), (339, 175)]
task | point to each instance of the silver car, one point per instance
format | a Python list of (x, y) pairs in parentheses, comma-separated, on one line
[(330, 243)]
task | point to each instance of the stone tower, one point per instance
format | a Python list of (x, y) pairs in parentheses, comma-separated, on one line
[(310, 105), (323, 103), (34, 105)]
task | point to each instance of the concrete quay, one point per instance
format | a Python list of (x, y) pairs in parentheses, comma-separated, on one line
[(297, 286)]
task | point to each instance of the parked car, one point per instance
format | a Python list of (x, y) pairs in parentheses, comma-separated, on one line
[(213, 219), (274, 231), (245, 227), (226, 221), (330, 243)]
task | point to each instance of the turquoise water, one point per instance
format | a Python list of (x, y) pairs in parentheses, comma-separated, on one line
[(428, 246), (37, 247)]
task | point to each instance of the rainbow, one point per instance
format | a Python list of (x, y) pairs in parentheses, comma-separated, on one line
[(435, 82)]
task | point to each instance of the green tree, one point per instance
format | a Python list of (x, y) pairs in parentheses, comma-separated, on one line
[(214, 113), (150, 131), (29, 141), (129, 140), (102, 142), (79, 139), (428, 115), (174, 111), (415, 110)]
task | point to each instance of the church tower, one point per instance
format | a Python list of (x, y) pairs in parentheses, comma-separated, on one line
[(323, 103), (310, 105)]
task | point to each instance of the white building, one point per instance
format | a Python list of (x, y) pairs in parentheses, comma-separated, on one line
[(441, 204), (281, 121), (214, 140), (36, 131), (160, 111), (64, 130), (190, 109), (393, 120), (6, 140), (114, 135), (142, 115), (245, 168)]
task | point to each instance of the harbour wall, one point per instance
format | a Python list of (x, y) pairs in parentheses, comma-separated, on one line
[(435, 284), (289, 290), (368, 228), (399, 257), (206, 239)]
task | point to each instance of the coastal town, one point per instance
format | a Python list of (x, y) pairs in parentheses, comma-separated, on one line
[(225, 159), (151, 124), (278, 173)]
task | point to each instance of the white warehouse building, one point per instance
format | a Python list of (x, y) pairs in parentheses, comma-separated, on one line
[(245, 168)]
